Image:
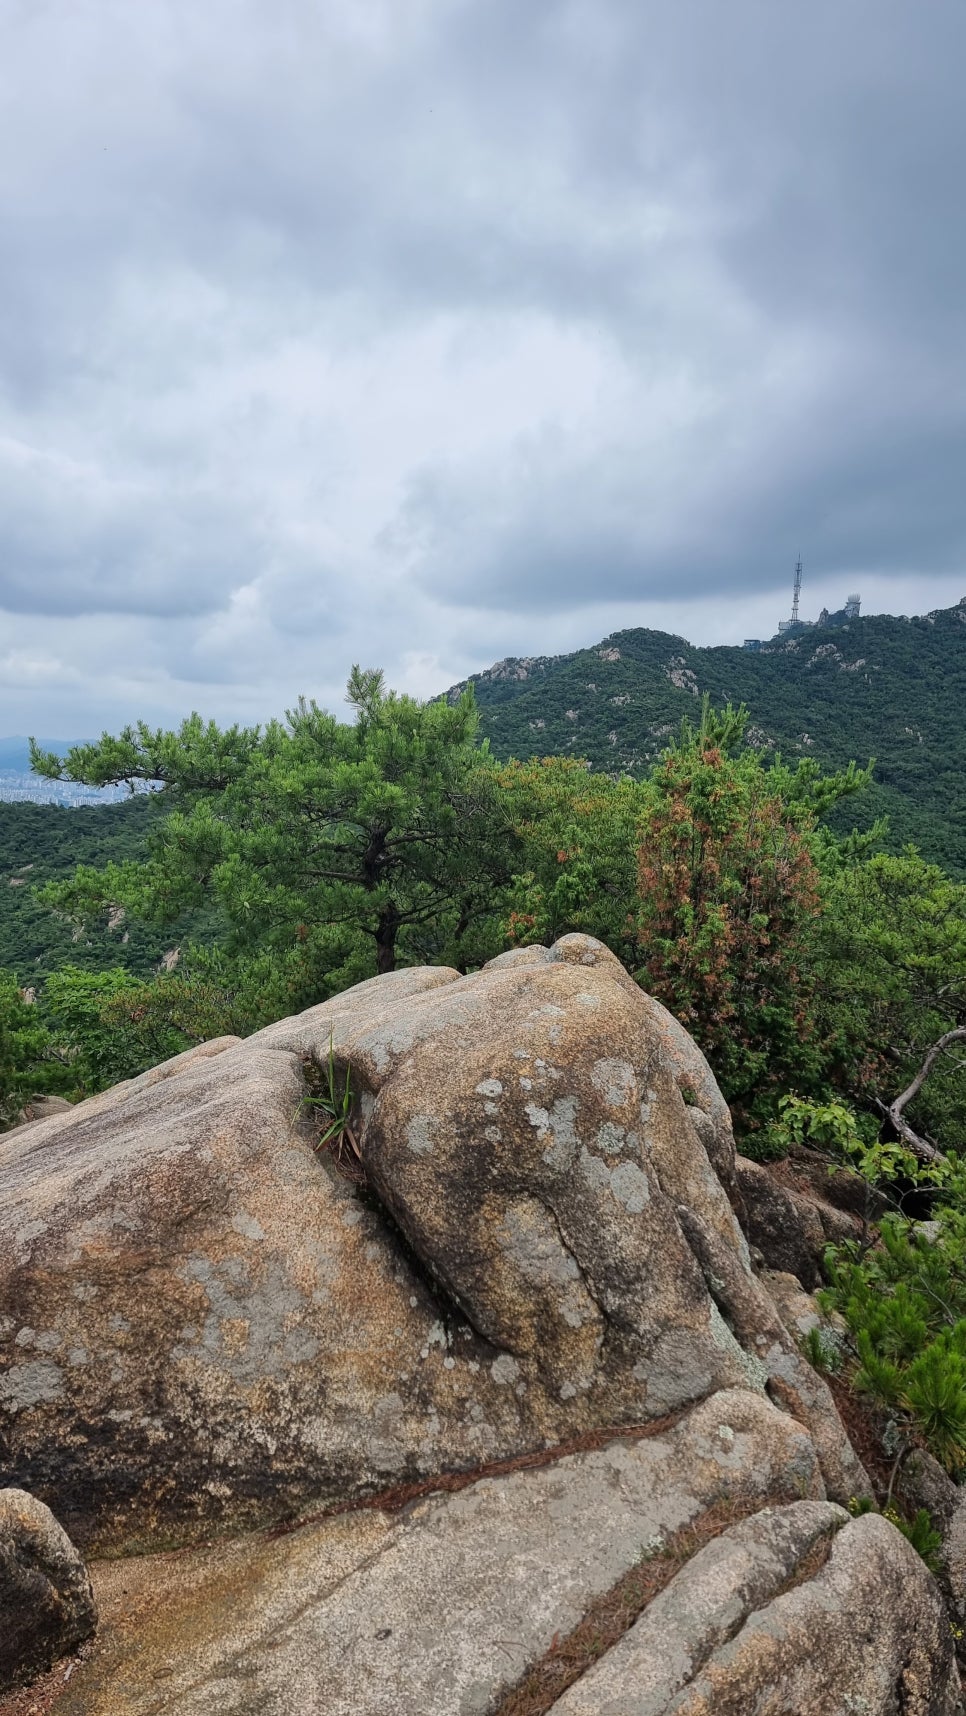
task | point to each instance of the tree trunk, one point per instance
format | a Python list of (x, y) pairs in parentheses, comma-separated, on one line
[(386, 931)]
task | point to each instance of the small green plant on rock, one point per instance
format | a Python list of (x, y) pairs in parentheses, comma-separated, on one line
[(919, 1531), (332, 1099), (829, 1126), (823, 1350)]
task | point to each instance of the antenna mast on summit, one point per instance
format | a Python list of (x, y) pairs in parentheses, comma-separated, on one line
[(798, 590)]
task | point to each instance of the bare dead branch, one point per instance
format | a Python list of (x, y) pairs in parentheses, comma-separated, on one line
[(920, 1146)]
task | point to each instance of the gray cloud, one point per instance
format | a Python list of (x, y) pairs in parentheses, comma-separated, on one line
[(78, 538), (419, 331)]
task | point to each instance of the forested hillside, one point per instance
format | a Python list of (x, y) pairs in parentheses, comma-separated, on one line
[(892, 689), (42, 843)]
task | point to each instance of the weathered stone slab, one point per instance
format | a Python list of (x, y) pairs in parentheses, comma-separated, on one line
[(435, 1613), (702, 1608), (867, 1635)]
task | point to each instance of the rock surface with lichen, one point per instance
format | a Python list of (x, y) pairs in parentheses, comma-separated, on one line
[(703, 1554), (482, 1407), (205, 1324)]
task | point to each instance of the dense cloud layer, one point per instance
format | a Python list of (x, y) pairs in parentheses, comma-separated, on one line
[(420, 332)]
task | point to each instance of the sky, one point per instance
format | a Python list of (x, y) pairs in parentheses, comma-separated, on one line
[(420, 333)]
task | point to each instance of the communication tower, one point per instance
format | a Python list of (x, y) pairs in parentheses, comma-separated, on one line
[(852, 607), (798, 590), (786, 625)]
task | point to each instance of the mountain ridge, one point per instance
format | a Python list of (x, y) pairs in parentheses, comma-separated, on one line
[(875, 686)]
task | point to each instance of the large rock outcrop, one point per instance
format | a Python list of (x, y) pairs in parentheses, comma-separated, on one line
[(202, 1322), (436, 1612), (206, 1324), (448, 1607)]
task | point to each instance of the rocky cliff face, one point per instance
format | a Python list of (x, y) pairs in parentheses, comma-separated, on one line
[(521, 1240)]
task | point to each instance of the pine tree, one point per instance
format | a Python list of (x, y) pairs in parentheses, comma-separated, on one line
[(338, 849)]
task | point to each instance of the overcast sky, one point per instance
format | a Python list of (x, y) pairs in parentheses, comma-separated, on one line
[(423, 332)]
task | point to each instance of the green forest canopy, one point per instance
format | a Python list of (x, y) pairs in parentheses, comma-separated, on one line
[(313, 853)]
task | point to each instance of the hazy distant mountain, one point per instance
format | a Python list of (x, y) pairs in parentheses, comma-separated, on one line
[(892, 689), (15, 752)]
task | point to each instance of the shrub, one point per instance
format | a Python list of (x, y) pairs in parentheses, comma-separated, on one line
[(904, 1300)]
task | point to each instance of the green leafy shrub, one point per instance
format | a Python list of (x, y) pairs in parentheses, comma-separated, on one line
[(890, 948), (93, 1035), (829, 1125), (904, 1300)]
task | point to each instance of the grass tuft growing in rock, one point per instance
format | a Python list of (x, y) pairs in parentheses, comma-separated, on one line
[(331, 1100)]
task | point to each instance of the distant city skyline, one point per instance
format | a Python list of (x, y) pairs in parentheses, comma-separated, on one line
[(29, 789)]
